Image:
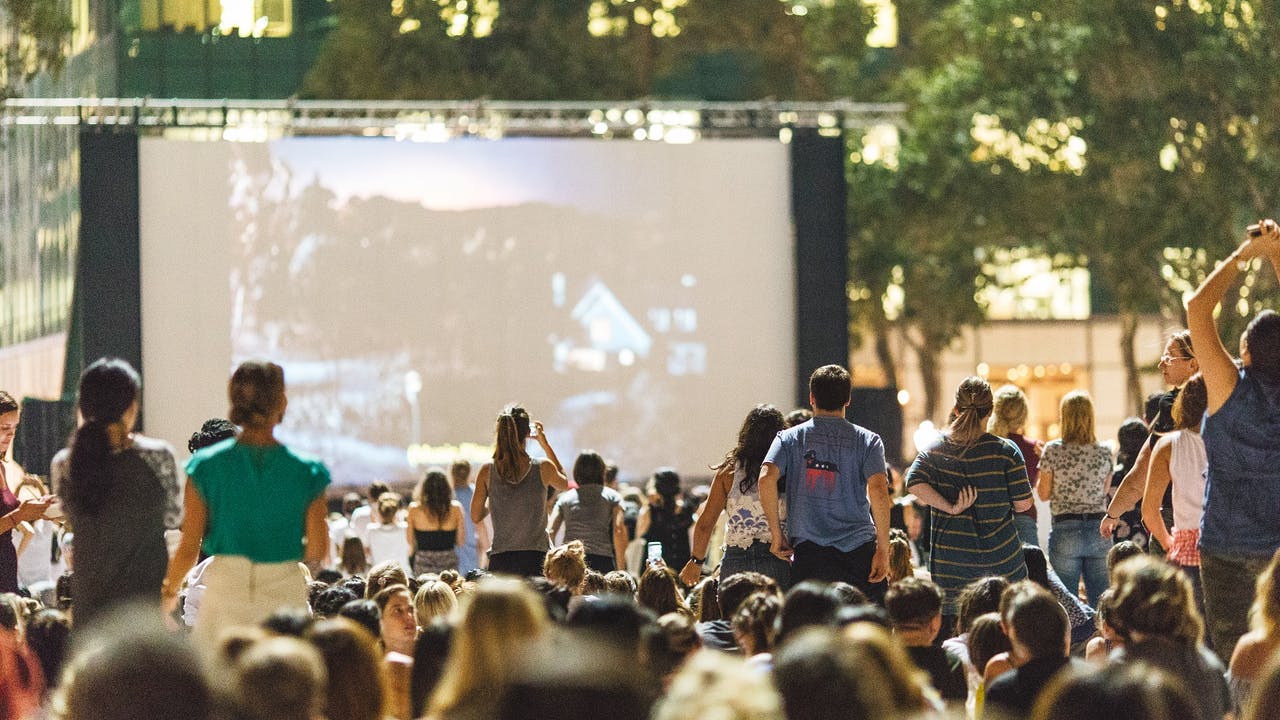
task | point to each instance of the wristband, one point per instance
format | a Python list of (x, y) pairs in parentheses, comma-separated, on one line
[(693, 558), (1107, 515)]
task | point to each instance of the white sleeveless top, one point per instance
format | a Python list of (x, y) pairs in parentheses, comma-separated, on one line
[(1187, 463), (746, 523)]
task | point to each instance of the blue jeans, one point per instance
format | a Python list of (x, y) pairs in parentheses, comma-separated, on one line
[(756, 558), (1076, 550), (1028, 533)]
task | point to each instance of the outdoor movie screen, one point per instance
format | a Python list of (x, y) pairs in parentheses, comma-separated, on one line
[(636, 297)]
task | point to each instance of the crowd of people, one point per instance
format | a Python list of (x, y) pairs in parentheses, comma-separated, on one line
[(809, 580)]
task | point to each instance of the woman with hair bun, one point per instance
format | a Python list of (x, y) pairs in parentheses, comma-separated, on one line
[(974, 482), (120, 491), (667, 518), (514, 488), (258, 508)]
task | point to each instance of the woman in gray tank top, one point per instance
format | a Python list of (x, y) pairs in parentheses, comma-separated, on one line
[(513, 487)]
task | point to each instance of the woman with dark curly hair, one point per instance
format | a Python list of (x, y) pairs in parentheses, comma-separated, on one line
[(736, 489), (435, 525)]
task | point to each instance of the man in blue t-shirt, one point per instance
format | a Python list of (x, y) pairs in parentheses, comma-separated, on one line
[(832, 474)]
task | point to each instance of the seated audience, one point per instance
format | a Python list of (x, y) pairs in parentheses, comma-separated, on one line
[(280, 678), (720, 686), (718, 634), (1135, 693), (357, 685), (755, 628), (1039, 635), (915, 609)]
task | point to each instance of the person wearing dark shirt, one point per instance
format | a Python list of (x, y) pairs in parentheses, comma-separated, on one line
[(915, 609), (1039, 634), (718, 634)]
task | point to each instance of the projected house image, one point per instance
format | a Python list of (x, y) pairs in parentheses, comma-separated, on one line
[(611, 331)]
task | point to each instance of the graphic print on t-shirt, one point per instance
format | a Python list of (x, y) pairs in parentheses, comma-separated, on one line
[(816, 471)]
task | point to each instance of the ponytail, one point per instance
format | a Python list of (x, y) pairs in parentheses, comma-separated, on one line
[(508, 444), (973, 405), (108, 388)]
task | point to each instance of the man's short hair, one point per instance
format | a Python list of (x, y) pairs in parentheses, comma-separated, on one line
[(912, 602), (830, 386), (7, 403), (460, 471), (1036, 620), (737, 587)]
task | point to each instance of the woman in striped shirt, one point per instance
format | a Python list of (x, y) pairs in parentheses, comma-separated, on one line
[(973, 482)]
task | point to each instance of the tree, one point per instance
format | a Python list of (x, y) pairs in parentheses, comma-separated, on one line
[(33, 39)]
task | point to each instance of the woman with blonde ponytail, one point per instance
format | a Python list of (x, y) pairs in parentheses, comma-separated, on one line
[(514, 488), (1009, 420), (973, 482)]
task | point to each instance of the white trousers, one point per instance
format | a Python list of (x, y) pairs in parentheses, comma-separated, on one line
[(240, 592)]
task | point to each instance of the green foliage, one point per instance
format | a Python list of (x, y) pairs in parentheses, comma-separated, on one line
[(33, 37)]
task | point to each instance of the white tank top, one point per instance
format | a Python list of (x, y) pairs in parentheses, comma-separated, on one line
[(1187, 463)]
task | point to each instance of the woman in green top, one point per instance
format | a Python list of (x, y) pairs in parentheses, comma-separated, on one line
[(257, 506)]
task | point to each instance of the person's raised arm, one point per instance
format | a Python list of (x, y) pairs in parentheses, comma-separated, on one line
[(195, 516), (541, 437), (1158, 480), (480, 499), (706, 524), (1216, 365)]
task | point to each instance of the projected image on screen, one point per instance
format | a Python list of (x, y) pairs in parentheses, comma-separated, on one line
[(635, 297)]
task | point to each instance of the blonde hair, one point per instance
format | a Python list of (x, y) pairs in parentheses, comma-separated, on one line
[(973, 405), (388, 506), (566, 565), (384, 575), (434, 599), (502, 619), (1009, 411), (1077, 419), (715, 684), (900, 565), (1264, 615)]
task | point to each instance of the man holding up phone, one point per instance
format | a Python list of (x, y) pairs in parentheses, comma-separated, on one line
[(12, 512)]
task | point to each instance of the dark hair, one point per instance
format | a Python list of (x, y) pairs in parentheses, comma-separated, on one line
[(1036, 619), (1151, 408), (328, 576), (620, 582), (912, 602), (383, 596), (332, 599), (848, 595), (376, 489), (986, 639), (1262, 340), (808, 603), (1037, 565), (760, 427), (610, 473), (214, 430), (1130, 438), (821, 675), (615, 617), (355, 584), (1192, 402), (289, 621), (1137, 691), (756, 618), (356, 689), (798, 416), (47, 632), (1154, 598), (830, 386), (108, 388), (508, 443), (430, 655), (1122, 551), (255, 391), (589, 468), (704, 600), (8, 404), (435, 495), (354, 561), (738, 586), (979, 597), (660, 590), (365, 613), (666, 482), (1182, 338)]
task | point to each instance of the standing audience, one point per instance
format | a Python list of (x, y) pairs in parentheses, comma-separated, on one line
[(436, 530)]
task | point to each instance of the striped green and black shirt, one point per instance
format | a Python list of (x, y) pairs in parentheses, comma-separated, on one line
[(982, 540)]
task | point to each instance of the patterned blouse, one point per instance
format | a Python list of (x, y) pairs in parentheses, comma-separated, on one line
[(746, 523), (1081, 473)]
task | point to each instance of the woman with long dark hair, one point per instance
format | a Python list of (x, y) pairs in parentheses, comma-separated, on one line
[(667, 518), (514, 488), (735, 488), (120, 491), (974, 482), (258, 508), (435, 529)]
